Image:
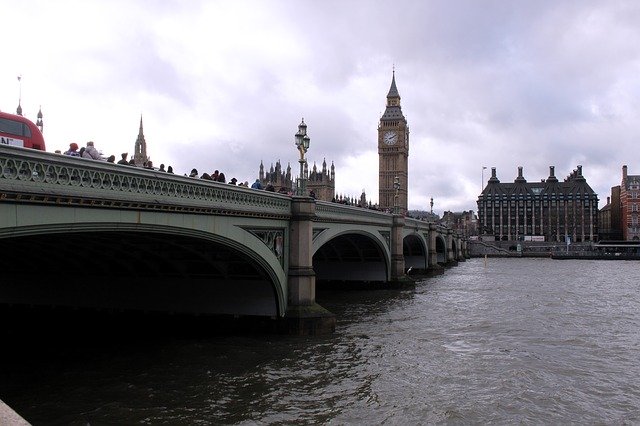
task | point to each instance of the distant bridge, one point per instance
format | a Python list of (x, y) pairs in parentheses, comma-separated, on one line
[(85, 233)]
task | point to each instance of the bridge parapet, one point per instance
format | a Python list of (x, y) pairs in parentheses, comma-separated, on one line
[(335, 212), (60, 179), (420, 225)]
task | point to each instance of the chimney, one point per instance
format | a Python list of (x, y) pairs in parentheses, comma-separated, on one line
[(493, 178), (624, 172)]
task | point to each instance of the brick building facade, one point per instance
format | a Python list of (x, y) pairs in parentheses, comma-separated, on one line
[(629, 205)]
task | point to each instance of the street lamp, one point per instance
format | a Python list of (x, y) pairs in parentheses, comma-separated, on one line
[(396, 186), (431, 204), (302, 143)]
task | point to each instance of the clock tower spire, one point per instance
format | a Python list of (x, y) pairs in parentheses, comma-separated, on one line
[(393, 154)]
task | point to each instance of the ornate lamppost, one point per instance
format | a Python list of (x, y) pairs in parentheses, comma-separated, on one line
[(302, 143), (396, 186)]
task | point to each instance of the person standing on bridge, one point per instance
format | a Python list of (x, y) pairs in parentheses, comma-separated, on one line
[(256, 184), (123, 160), (73, 150), (91, 152)]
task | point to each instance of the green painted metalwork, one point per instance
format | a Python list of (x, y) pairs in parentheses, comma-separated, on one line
[(47, 177)]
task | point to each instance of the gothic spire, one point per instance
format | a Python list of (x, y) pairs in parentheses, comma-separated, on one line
[(393, 111), (140, 149), (393, 90)]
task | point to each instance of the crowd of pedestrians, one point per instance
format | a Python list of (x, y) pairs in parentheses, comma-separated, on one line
[(91, 152)]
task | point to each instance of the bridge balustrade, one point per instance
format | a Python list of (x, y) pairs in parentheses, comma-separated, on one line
[(44, 177), (341, 213)]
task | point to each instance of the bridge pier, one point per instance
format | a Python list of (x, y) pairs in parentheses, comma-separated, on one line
[(303, 315), (397, 256), (433, 266)]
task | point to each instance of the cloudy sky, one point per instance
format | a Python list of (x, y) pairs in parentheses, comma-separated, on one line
[(224, 84)]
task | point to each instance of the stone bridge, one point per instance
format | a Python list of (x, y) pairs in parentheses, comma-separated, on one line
[(82, 233)]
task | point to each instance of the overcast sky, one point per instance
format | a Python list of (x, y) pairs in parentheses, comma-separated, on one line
[(224, 84)]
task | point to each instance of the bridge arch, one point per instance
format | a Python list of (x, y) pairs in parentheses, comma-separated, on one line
[(441, 249), (348, 255), (144, 266), (415, 251)]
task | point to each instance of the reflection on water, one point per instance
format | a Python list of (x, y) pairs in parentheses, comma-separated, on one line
[(510, 341)]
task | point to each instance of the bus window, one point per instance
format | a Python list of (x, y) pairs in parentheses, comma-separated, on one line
[(16, 130)]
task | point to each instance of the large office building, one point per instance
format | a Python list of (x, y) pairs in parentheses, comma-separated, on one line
[(547, 210)]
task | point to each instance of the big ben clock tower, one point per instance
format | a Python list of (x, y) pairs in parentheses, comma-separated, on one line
[(393, 154)]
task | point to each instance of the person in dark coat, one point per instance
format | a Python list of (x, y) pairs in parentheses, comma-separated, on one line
[(123, 160)]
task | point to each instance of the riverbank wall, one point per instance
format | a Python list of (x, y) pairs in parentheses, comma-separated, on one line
[(480, 248), (585, 251)]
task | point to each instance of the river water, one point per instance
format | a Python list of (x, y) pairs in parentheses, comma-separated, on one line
[(501, 341)]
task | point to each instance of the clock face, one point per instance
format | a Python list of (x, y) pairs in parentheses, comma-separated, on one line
[(389, 137)]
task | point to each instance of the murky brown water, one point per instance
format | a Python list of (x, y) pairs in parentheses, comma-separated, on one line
[(512, 341)]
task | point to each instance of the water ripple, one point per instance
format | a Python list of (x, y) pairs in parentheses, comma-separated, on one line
[(511, 341)]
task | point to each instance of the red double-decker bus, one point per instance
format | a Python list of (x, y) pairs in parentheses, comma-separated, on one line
[(16, 130)]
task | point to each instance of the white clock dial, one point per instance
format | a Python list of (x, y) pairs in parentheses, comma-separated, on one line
[(390, 137)]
